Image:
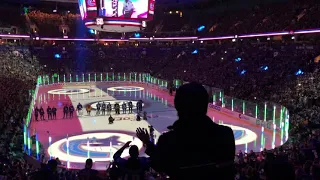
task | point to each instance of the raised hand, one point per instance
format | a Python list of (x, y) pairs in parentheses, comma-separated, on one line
[(127, 144), (143, 135)]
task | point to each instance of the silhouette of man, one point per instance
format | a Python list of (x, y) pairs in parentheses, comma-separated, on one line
[(49, 172), (71, 110), (130, 106), (65, 111), (133, 167), (175, 153), (54, 112), (41, 113), (103, 108), (49, 111), (36, 113), (124, 108), (109, 109), (88, 173)]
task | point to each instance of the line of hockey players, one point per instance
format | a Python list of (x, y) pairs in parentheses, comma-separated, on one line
[(102, 108), (52, 112), (68, 111)]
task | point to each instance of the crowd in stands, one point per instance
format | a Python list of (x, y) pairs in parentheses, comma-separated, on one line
[(216, 65), (18, 76), (258, 18)]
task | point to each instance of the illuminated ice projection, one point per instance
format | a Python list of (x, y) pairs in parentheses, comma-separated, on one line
[(97, 146), (125, 88), (242, 135), (102, 146), (69, 91)]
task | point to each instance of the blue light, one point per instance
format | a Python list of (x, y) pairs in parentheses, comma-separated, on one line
[(57, 56), (195, 52), (299, 72), (91, 31), (264, 68), (243, 72), (237, 59), (136, 35), (201, 28), (60, 104)]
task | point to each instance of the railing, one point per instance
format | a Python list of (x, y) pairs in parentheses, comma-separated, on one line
[(101, 77), (267, 115)]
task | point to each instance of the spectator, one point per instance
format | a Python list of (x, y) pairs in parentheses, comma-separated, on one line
[(88, 173), (175, 154), (49, 172), (133, 168)]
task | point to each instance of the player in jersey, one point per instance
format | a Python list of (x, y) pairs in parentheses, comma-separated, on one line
[(54, 112), (49, 111), (130, 106), (124, 108), (79, 109), (98, 109), (71, 110), (103, 108), (65, 111), (109, 108)]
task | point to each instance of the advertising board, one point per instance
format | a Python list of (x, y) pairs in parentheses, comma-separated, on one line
[(215, 107)]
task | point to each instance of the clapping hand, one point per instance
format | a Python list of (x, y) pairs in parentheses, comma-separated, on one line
[(143, 135)]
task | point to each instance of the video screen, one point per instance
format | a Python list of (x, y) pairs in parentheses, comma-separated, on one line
[(130, 9)]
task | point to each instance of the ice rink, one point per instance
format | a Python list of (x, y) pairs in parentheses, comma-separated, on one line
[(75, 139)]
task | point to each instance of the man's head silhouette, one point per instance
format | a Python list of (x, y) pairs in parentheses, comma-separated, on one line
[(89, 163), (134, 151), (52, 165), (191, 100)]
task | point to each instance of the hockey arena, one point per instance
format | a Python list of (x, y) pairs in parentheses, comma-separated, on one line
[(74, 139)]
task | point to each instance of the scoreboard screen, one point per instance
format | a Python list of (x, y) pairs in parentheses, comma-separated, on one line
[(128, 9), (120, 9)]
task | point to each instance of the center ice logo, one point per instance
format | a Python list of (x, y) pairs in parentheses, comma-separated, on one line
[(73, 91), (97, 147), (68, 91), (102, 146), (125, 88)]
